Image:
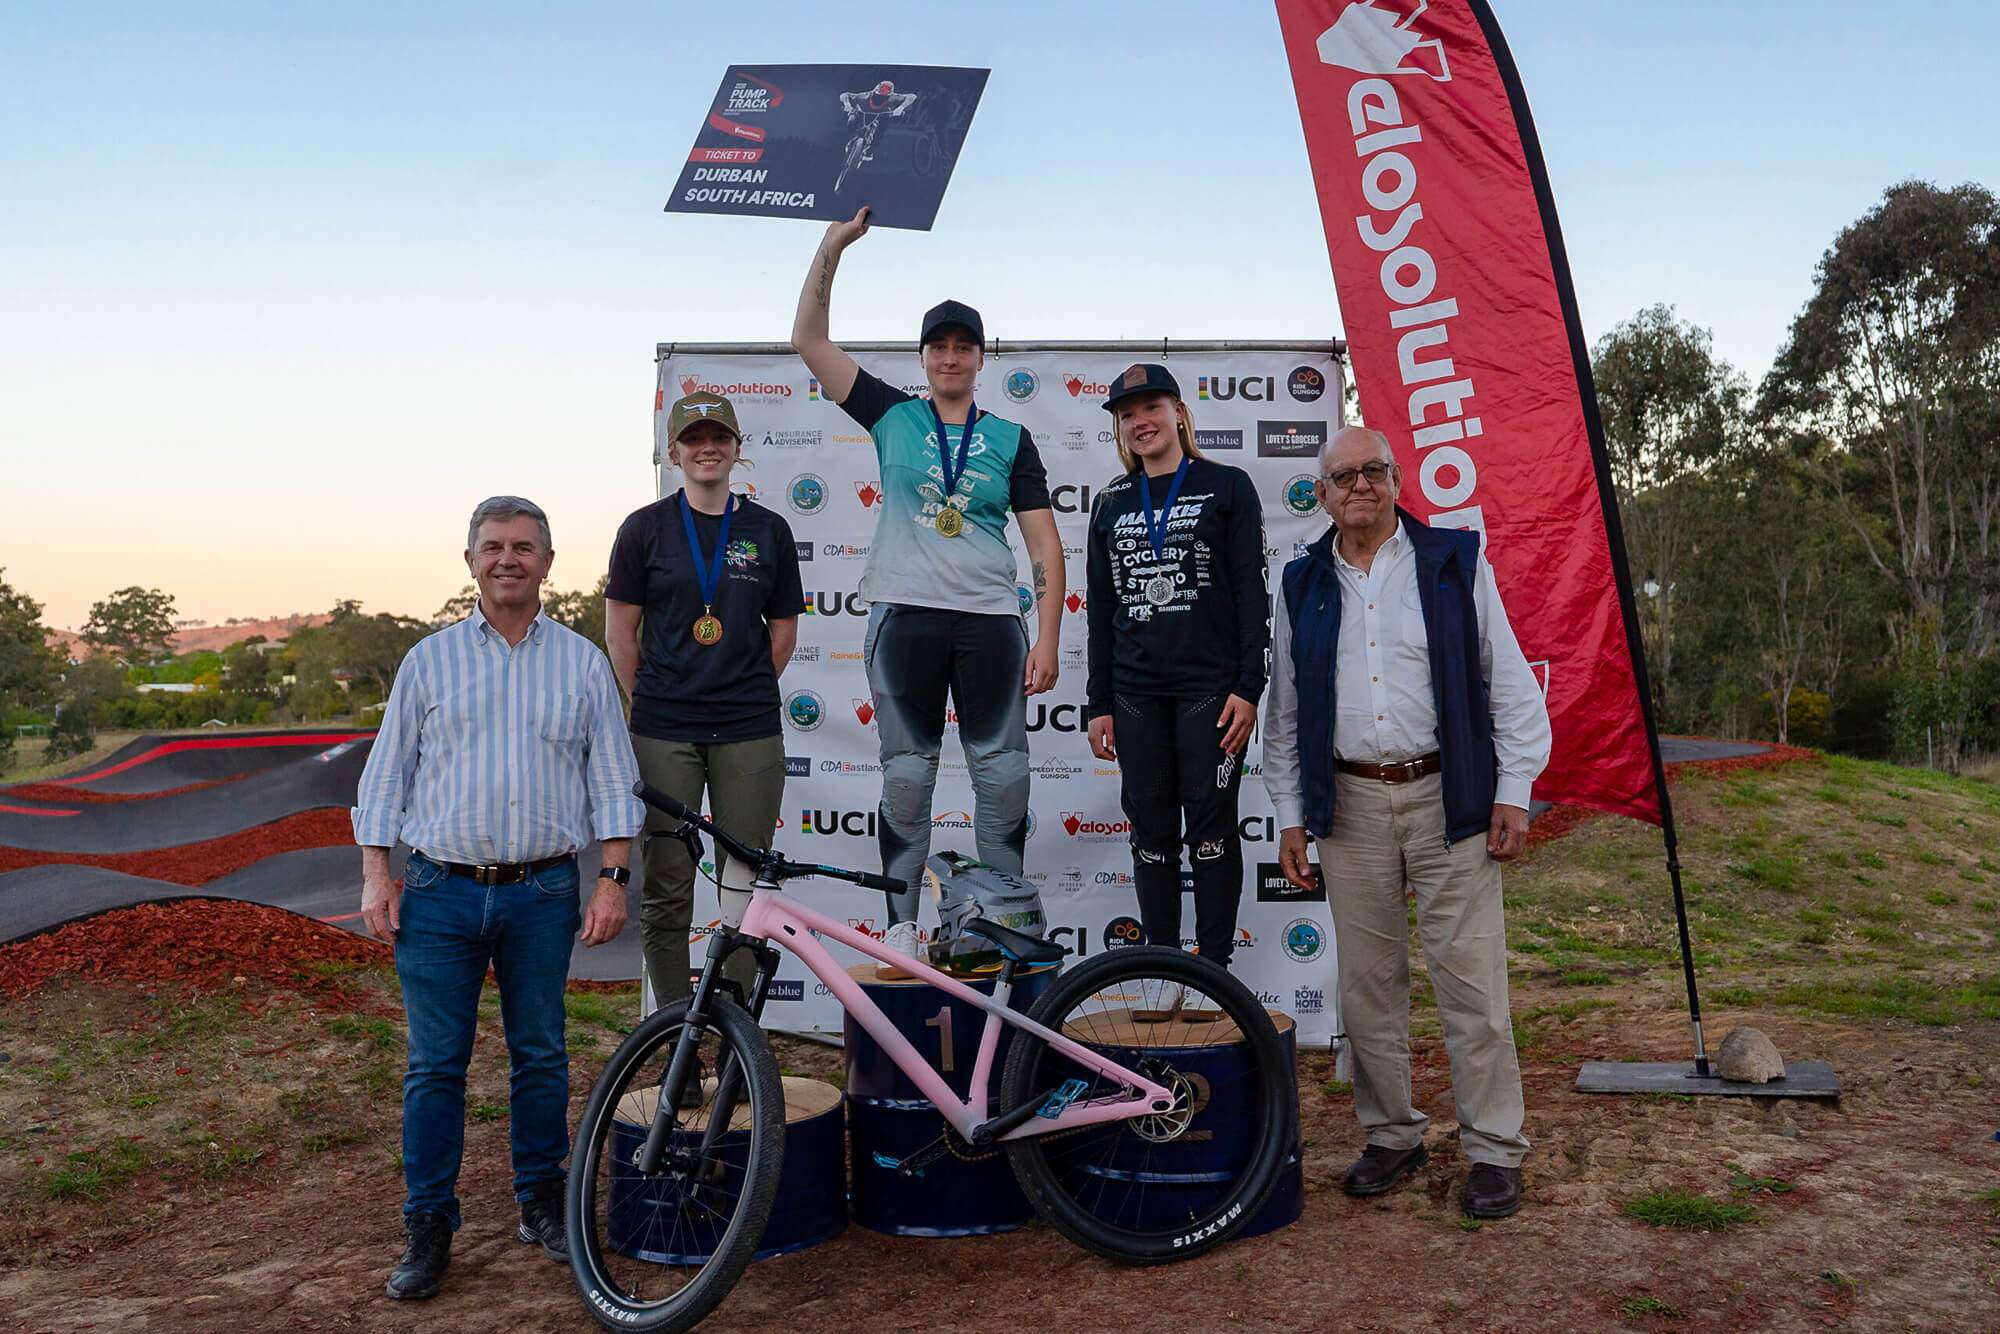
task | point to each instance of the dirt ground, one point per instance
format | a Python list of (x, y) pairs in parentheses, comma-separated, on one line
[(228, 1160)]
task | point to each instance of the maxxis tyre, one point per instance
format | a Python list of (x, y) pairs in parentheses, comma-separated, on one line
[(1038, 1179), (766, 1094)]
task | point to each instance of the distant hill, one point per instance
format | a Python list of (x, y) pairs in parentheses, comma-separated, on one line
[(213, 638)]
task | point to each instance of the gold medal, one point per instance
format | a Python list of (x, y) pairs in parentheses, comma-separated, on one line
[(950, 523), (707, 630)]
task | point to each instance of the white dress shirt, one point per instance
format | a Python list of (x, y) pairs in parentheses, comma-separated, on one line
[(496, 754), (1384, 708)]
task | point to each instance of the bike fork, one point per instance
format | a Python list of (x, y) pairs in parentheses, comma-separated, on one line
[(680, 1066)]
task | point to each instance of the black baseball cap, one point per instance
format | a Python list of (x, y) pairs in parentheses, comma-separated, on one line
[(1142, 377), (947, 313)]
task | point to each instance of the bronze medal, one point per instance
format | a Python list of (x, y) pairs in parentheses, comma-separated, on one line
[(707, 630), (950, 523)]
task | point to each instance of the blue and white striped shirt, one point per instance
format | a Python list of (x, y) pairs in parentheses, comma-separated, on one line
[(491, 754)]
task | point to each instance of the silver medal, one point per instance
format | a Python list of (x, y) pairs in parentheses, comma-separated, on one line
[(1159, 590)]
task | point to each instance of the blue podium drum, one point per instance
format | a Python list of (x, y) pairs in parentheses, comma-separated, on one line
[(649, 1222), (888, 1119)]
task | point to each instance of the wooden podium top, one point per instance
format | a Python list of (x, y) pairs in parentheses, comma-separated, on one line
[(804, 1099), (1119, 1028)]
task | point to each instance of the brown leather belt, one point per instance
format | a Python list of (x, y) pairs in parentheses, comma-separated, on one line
[(1402, 771), (512, 873)]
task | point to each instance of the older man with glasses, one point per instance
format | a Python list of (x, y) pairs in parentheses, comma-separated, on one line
[(1403, 731), (503, 751)]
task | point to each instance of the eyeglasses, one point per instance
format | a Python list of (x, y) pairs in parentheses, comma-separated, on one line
[(1342, 479)]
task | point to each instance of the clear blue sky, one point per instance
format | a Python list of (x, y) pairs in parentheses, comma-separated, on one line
[(284, 289)]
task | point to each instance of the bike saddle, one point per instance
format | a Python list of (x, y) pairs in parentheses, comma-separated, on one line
[(1016, 945)]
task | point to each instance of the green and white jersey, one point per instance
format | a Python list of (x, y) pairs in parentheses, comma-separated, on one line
[(911, 562)]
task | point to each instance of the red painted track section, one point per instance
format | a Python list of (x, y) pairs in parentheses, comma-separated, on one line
[(205, 743)]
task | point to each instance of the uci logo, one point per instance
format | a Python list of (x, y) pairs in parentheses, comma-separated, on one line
[(1301, 498), (1021, 385), (1251, 389), (1070, 499), (1056, 718), (804, 710), (835, 604), (1257, 828), (855, 824), (807, 494)]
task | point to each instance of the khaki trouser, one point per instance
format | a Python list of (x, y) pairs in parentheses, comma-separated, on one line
[(1388, 838), (746, 784)]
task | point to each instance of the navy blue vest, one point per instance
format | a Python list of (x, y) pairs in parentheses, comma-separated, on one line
[(1447, 566)]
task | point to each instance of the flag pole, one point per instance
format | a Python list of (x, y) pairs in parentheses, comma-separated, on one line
[(1607, 494)]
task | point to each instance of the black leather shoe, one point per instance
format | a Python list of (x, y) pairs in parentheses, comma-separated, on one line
[(1378, 1168), (420, 1271), (542, 1223), (1491, 1191)]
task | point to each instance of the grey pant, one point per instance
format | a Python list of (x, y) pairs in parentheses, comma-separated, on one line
[(1388, 839), (745, 782), (916, 656)]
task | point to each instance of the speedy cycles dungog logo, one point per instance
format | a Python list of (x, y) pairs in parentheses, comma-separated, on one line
[(804, 710), (1300, 497), (1021, 384), (806, 494)]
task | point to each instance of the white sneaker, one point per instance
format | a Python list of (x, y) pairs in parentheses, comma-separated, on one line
[(902, 938), (1177, 1001)]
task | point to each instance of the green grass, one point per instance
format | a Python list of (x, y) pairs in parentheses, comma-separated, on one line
[(1468, 1224), (1582, 977), (1638, 1308), (487, 1111), (1743, 1183), (1872, 860), (1749, 792), (1339, 1088), (1937, 898), (1893, 821), (1694, 1213), (591, 1007), (1778, 870), (1833, 1278), (1928, 858), (373, 1029), (92, 1173), (1991, 1199)]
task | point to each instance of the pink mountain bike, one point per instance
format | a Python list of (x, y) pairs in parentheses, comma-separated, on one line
[(678, 1154)]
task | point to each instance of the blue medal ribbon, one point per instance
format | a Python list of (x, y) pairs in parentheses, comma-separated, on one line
[(1158, 535), (707, 570), (946, 465)]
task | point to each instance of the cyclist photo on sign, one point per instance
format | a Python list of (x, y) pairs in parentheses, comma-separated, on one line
[(865, 111)]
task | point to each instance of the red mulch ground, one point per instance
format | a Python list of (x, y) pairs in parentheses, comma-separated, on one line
[(77, 796), (199, 863), (201, 944)]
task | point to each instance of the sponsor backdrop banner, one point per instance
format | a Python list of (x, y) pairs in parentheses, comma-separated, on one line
[(1467, 352), (1267, 411), (819, 141)]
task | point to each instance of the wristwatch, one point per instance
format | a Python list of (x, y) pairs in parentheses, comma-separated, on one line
[(622, 875)]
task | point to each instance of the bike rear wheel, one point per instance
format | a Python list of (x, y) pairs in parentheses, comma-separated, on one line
[(1166, 1186), (659, 1253)]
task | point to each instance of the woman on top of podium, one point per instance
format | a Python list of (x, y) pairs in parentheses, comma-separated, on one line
[(1179, 640), (700, 616), (945, 617)]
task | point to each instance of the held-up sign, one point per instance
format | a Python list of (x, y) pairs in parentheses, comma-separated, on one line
[(819, 141)]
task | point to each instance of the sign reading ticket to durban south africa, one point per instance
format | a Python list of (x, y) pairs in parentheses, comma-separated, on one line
[(819, 141)]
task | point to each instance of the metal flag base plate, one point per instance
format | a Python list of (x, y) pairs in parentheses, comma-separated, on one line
[(1803, 1079)]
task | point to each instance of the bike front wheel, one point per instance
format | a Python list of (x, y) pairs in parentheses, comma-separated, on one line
[(660, 1252), (1169, 1185)]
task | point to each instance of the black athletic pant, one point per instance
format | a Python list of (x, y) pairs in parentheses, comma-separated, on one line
[(1172, 765)]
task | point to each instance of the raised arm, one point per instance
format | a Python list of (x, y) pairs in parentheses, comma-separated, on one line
[(834, 369)]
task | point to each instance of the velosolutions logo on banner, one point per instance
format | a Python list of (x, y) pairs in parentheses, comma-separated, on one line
[(1265, 412)]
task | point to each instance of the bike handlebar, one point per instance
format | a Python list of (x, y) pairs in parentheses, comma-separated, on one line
[(767, 863)]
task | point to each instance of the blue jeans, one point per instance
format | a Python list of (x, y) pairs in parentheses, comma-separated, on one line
[(452, 928)]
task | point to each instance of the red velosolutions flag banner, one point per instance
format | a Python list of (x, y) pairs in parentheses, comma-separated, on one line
[(1461, 325)]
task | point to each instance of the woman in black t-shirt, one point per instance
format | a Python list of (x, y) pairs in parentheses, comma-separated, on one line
[(1179, 649), (700, 616)]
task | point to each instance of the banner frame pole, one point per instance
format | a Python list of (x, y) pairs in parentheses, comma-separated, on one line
[(1607, 494)]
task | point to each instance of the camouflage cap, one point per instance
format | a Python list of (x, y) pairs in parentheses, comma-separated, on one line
[(702, 407)]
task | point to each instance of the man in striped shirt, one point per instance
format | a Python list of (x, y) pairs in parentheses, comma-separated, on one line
[(503, 750)]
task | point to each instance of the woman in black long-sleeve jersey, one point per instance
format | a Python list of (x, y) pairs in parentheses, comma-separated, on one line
[(1179, 650)]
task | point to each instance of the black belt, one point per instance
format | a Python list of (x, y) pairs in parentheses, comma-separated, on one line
[(1399, 771), (506, 873)]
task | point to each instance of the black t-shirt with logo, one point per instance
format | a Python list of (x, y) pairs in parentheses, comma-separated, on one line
[(727, 691), (1213, 631)]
